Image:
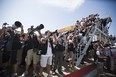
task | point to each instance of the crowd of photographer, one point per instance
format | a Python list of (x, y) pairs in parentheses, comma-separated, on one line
[(49, 50)]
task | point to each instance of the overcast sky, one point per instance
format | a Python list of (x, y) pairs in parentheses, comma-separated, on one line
[(55, 14)]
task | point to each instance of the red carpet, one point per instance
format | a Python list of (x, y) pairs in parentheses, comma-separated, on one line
[(82, 72)]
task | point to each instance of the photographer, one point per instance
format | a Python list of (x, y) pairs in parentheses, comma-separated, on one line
[(13, 44), (59, 49), (3, 53), (32, 48), (47, 51)]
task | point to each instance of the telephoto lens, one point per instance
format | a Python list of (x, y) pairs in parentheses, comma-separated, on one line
[(54, 32), (17, 24), (41, 26)]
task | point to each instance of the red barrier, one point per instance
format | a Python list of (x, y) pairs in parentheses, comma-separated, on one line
[(82, 72)]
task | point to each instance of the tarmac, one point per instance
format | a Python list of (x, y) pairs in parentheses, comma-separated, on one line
[(65, 70)]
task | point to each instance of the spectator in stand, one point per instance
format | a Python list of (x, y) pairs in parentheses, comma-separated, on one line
[(98, 23), (82, 22), (78, 26), (108, 54), (101, 59), (95, 46), (71, 51)]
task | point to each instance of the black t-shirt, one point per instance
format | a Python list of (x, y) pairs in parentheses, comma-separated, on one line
[(32, 42), (43, 47), (70, 47), (13, 42), (59, 47), (16, 42)]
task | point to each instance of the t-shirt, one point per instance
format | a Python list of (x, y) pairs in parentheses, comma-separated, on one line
[(49, 49), (98, 53)]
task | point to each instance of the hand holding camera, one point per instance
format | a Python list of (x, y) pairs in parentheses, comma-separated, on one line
[(22, 27)]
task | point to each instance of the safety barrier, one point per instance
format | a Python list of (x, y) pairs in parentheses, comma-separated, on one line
[(87, 71)]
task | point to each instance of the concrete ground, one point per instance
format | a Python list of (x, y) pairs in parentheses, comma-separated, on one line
[(65, 69)]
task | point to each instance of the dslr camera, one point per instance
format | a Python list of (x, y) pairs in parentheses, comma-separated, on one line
[(54, 32)]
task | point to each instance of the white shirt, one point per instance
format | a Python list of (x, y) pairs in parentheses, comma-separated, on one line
[(49, 49), (98, 53)]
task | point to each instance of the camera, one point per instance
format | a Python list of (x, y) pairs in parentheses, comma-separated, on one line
[(17, 24), (41, 26), (39, 52), (96, 14), (54, 32)]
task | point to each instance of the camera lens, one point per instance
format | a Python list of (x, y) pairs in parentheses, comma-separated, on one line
[(18, 24), (41, 26)]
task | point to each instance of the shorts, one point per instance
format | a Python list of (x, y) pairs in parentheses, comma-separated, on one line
[(71, 55), (13, 57), (31, 55), (6, 56), (45, 59), (100, 67)]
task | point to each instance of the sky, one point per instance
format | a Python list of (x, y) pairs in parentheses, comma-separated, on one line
[(55, 14)]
